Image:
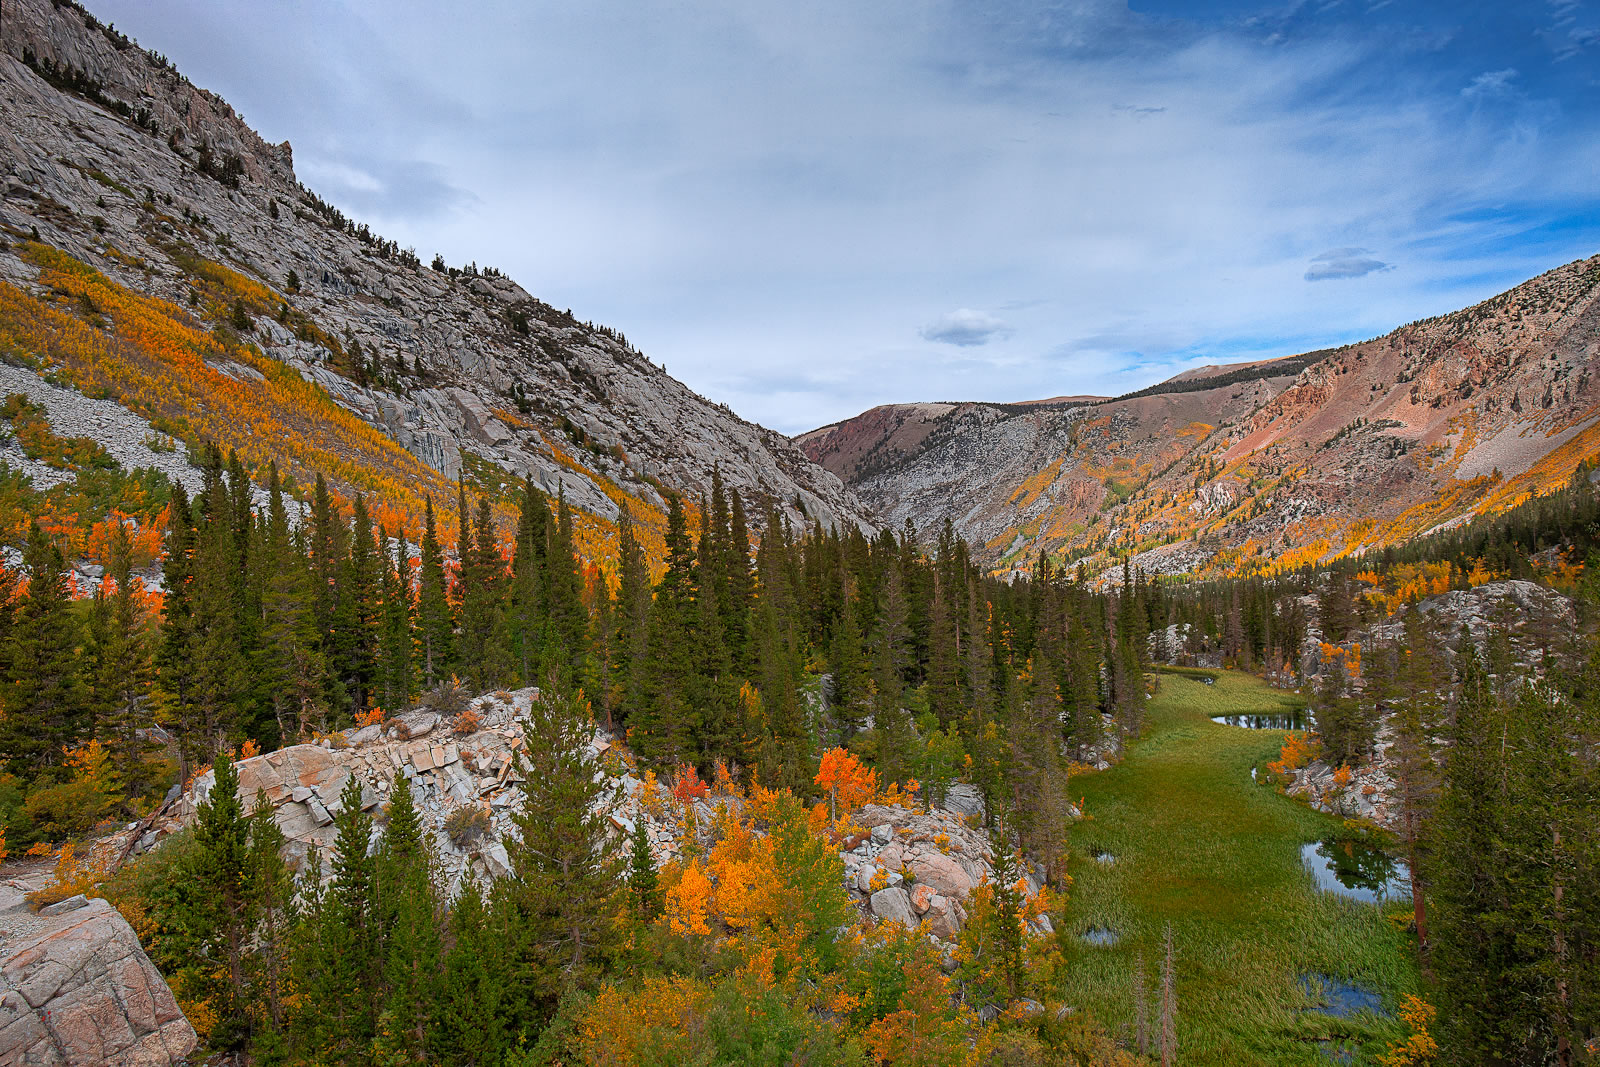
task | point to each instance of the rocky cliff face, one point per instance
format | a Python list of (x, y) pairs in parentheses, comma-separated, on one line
[(76, 990), (110, 155), (1237, 469)]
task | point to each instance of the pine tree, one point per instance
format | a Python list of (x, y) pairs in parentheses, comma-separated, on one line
[(292, 661), (469, 1026), (340, 963), (397, 669), (569, 621), (944, 680), (528, 616), (644, 894), (359, 612), (555, 908), (46, 704), (224, 897), (435, 623), (407, 915), (122, 670), (663, 726), (484, 641)]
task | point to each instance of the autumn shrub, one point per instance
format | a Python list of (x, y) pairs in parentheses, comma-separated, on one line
[(688, 787), (447, 699), (1418, 1048), (1298, 750), (73, 875), (467, 826), (467, 722)]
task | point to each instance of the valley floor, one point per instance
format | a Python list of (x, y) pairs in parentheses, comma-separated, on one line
[(1197, 844)]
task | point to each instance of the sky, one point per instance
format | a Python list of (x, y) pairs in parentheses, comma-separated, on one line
[(806, 209)]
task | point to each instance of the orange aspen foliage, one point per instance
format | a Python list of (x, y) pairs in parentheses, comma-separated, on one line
[(849, 784)]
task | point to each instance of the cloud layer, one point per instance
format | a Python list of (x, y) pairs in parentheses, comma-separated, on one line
[(783, 203)]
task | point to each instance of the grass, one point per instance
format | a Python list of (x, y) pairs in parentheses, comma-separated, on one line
[(1202, 847)]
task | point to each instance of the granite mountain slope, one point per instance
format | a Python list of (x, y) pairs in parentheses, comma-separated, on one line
[(1244, 468), (156, 250)]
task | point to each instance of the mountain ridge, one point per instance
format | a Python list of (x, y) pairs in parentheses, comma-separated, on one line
[(1248, 467)]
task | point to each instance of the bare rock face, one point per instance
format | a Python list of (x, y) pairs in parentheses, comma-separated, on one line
[(477, 373), (76, 989)]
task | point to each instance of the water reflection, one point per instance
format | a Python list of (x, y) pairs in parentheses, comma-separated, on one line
[(1341, 999), (1354, 870), (1265, 720), (1100, 935)]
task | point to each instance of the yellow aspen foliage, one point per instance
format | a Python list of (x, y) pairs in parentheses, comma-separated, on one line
[(1418, 1049), (689, 902)]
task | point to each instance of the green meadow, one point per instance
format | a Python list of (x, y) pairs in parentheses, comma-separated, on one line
[(1199, 846)]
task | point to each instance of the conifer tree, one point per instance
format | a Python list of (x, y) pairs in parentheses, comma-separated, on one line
[(47, 701), (359, 612), (664, 725), (555, 907), (435, 623), (397, 669), (644, 894), (528, 616), (122, 669), (569, 621), (407, 915), (469, 1026), (225, 897), (340, 963), (944, 680), (292, 660)]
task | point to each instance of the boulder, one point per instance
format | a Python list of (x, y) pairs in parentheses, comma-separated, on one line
[(76, 988), (922, 897), (893, 905), (943, 873)]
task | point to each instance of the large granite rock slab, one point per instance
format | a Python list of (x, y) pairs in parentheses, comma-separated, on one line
[(77, 989)]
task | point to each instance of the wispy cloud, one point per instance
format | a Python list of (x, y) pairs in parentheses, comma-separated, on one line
[(966, 328), (1344, 263), (1490, 83)]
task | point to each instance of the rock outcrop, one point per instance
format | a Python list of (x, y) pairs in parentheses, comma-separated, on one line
[(76, 990), (931, 858), (914, 867), (109, 154)]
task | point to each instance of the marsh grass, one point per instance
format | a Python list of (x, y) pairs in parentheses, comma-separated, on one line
[(1201, 846)]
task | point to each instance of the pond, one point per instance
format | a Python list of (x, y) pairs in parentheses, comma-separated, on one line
[(1269, 720), (1338, 998), (1100, 855), (1100, 935), (1354, 870)]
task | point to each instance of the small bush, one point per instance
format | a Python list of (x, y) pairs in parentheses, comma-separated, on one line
[(447, 699), (467, 722), (72, 876), (467, 827)]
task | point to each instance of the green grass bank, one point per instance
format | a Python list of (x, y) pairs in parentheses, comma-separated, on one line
[(1198, 845)]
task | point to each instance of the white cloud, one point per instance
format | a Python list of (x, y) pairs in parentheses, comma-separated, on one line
[(765, 196), (1490, 83)]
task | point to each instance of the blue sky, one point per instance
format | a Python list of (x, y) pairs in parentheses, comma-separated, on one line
[(808, 209)]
